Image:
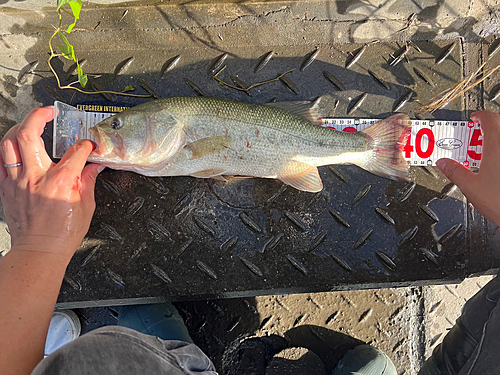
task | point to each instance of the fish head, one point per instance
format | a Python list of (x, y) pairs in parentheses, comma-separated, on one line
[(119, 135), (139, 135)]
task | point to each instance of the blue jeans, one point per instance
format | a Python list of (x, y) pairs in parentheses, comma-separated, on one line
[(123, 351)]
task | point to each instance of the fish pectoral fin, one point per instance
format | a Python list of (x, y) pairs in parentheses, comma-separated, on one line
[(208, 146), (210, 173), (307, 110), (302, 177)]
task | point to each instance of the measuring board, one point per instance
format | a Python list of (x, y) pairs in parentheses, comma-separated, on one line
[(429, 141)]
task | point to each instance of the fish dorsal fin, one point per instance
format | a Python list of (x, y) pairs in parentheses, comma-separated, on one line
[(302, 177), (208, 146), (307, 110)]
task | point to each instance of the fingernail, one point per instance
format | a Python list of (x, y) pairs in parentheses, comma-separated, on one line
[(100, 168), (441, 164)]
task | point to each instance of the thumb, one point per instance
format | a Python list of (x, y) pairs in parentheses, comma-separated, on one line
[(459, 175), (89, 176)]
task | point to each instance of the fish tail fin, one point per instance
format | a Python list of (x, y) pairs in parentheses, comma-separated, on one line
[(388, 138)]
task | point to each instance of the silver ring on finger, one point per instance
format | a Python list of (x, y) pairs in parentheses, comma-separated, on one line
[(13, 165)]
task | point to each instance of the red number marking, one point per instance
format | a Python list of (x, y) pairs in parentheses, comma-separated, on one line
[(475, 141), (408, 148), (418, 143)]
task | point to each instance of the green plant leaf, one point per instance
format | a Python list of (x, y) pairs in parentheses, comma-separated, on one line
[(60, 3), (82, 78), (128, 88), (76, 7), (67, 50)]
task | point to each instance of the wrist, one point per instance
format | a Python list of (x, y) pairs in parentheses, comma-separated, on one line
[(54, 251)]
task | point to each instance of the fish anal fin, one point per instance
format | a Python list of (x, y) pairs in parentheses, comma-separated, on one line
[(208, 146), (307, 110), (302, 177), (210, 173)]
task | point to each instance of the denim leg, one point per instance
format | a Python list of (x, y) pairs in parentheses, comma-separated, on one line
[(119, 350), (158, 319)]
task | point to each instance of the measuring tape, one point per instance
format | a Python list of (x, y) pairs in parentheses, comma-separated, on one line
[(430, 140)]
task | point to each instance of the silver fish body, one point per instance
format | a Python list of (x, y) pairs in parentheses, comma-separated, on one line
[(210, 137)]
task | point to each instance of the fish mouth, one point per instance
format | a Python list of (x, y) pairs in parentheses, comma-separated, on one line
[(102, 143)]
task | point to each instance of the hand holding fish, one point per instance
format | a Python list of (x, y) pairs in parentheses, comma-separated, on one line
[(480, 188), (47, 207)]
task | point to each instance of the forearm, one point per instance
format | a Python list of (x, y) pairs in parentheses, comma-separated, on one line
[(29, 285)]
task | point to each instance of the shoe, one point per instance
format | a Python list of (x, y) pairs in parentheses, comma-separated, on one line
[(365, 360), (64, 327)]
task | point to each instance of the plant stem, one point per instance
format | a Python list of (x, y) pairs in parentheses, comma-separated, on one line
[(251, 86)]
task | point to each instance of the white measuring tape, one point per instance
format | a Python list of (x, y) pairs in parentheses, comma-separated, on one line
[(430, 140)]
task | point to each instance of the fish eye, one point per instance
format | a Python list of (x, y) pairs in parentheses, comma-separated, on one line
[(116, 124)]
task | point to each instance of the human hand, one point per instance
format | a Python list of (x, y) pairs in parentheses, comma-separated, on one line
[(482, 188), (47, 206)]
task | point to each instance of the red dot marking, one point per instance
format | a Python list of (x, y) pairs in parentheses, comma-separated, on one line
[(218, 111), (349, 129), (257, 132), (248, 143)]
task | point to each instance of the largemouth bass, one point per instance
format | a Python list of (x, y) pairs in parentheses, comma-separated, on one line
[(209, 138)]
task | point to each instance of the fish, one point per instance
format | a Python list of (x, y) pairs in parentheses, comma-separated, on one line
[(208, 138)]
